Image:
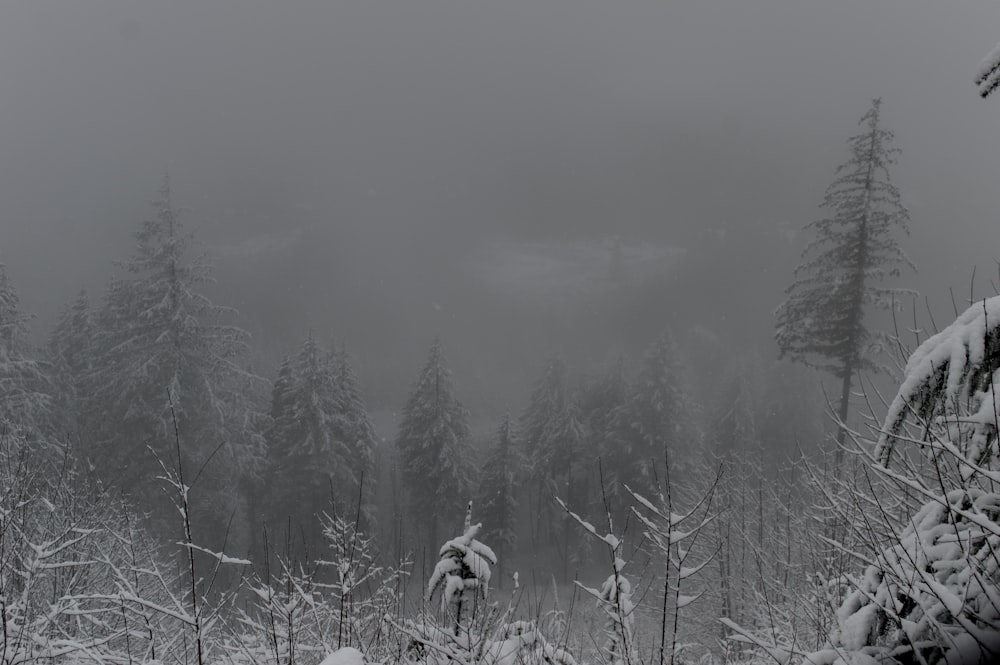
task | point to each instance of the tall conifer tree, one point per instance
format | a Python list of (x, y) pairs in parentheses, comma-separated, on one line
[(657, 421), (855, 249), (166, 354), (25, 389), (355, 429), (433, 443), (71, 354), (498, 499)]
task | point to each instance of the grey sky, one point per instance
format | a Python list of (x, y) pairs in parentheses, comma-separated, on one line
[(402, 133)]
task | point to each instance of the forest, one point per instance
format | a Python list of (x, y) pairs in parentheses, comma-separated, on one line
[(740, 435)]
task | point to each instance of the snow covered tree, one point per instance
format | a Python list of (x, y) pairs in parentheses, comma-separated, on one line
[(855, 249), (602, 401), (321, 439), (25, 389), (988, 76), (303, 449), (657, 419), (71, 341), (547, 402), (462, 573), (496, 487), (71, 354), (555, 440), (614, 598), (433, 444), (355, 428), (929, 526), (948, 402), (166, 357)]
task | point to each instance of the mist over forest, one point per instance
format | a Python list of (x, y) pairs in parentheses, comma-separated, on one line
[(515, 332)]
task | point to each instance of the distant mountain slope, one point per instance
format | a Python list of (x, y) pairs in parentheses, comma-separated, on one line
[(576, 268)]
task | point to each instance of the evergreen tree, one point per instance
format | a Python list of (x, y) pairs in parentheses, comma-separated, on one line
[(821, 322), (556, 449), (546, 405), (601, 403), (320, 442), (988, 76), (542, 452), (281, 399), (497, 497), (658, 418), (25, 390), (306, 456), (71, 353), (356, 430), (433, 443), (166, 357)]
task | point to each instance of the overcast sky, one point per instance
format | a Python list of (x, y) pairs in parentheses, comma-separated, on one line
[(405, 132)]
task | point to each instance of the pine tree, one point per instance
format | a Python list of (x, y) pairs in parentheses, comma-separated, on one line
[(433, 443), (25, 389), (166, 357), (497, 496), (821, 322)]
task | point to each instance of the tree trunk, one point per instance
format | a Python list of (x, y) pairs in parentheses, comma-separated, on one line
[(842, 412)]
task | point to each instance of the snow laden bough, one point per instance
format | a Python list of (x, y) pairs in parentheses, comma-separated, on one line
[(476, 633), (463, 569), (947, 401), (932, 594), (933, 597)]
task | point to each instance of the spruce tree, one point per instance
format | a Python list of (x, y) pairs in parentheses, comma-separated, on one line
[(25, 389), (601, 402), (356, 430), (555, 442), (658, 418), (71, 355), (497, 496), (988, 76), (306, 457), (167, 357), (821, 323), (542, 450), (546, 405), (433, 443)]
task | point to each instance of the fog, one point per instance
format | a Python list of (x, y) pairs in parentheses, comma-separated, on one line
[(376, 171), (512, 275)]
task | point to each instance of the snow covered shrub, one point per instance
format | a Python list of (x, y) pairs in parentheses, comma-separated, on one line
[(70, 587), (933, 596), (930, 592), (614, 598), (946, 407), (340, 600), (462, 573), (486, 634)]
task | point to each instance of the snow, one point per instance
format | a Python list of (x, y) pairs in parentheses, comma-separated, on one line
[(937, 584), (222, 558), (988, 75), (464, 566), (957, 352), (344, 656)]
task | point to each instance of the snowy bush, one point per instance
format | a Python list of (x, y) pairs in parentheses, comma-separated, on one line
[(934, 596), (463, 571)]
